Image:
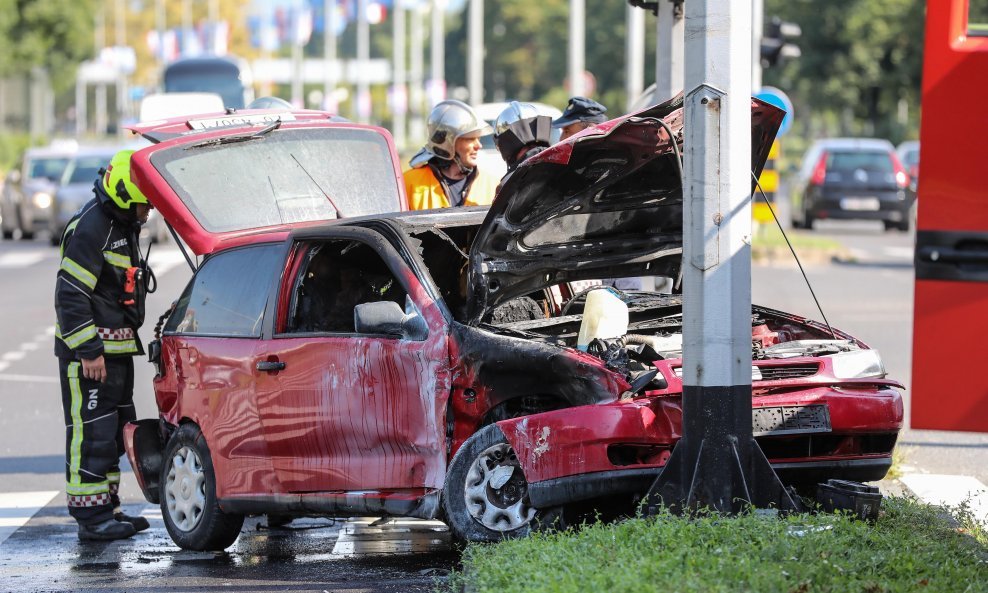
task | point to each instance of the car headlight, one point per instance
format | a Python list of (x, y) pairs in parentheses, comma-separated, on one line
[(858, 364), (41, 199)]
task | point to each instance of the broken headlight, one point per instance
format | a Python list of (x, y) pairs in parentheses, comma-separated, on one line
[(858, 364)]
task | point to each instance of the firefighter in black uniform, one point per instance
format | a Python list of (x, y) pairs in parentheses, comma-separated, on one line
[(99, 305)]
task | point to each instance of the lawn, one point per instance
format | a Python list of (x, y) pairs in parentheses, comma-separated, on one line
[(912, 547)]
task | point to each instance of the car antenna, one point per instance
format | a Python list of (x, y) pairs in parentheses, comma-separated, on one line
[(339, 213), (798, 263)]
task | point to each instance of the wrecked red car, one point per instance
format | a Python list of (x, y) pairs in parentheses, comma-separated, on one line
[(427, 364)]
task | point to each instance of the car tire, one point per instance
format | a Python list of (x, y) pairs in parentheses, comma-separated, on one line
[(188, 495), (27, 235), (474, 510), (8, 234)]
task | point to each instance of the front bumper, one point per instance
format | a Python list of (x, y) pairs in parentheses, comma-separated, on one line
[(619, 448)]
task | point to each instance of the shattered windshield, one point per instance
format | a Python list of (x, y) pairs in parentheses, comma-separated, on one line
[(286, 176)]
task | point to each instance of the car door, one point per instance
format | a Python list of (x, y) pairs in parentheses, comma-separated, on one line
[(951, 290), (342, 410), (210, 340)]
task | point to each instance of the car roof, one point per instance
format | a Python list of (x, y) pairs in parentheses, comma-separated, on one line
[(854, 144), (490, 111)]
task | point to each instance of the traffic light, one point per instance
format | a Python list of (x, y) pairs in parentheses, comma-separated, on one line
[(776, 43)]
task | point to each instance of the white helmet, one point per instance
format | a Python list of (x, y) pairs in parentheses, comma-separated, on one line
[(449, 121)]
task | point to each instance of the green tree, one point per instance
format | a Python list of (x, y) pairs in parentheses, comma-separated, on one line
[(50, 34)]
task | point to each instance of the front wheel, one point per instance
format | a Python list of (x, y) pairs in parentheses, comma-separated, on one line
[(485, 497), (188, 500)]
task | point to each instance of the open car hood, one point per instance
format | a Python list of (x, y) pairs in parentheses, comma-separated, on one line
[(606, 203), (220, 179)]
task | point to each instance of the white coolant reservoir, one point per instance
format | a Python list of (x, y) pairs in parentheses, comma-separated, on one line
[(605, 316)]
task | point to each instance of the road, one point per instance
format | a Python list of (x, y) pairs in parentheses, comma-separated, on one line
[(871, 299)]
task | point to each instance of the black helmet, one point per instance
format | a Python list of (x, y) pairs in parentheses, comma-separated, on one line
[(519, 127)]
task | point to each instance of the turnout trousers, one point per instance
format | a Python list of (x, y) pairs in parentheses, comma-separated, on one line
[(95, 414)]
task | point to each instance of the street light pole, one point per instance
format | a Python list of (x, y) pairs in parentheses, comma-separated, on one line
[(329, 56), (437, 61), (668, 50), (577, 47), (399, 97), (475, 52), (717, 464), (634, 54), (363, 57)]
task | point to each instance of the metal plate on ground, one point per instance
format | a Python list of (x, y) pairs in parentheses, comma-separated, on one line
[(778, 420)]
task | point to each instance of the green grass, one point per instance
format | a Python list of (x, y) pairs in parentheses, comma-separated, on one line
[(912, 547), (768, 235)]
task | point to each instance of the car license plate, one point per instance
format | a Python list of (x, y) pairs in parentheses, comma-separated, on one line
[(859, 204), (777, 420)]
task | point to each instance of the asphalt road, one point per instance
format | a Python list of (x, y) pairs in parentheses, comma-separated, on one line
[(871, 299)]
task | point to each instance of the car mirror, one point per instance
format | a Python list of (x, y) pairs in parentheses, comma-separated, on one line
[(386, 317)]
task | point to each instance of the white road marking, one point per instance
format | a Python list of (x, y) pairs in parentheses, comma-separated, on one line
[(951, 491), (15, 355), (899, 252), (22, 259), (26, 378), (3, 366), (17, 508)]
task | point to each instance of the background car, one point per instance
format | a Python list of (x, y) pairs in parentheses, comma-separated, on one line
[(76, 187), (489, 159), (852, 179), (28, 191), (428, 364)]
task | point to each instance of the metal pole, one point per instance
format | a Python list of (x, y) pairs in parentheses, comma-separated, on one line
[(634, 54), (437, 61), (669, 50), (416, 128), (120, 11), (186, 22), (329, 57), (757, 26), (297, 56), (475, 52), (363, 56), (400, 98), (101, 109), (159, 25), (717, 464), (80, 107), (577, 49)]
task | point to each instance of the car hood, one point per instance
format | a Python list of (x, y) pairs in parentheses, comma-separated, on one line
[(606, 203)]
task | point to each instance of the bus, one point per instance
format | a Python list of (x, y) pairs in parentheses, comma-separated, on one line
[(950, 323), (228, 77)]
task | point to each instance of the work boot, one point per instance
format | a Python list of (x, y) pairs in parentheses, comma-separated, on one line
[(139, 523), (106, 531)]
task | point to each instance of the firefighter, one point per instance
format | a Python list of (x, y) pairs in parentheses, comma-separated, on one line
[(99, 306), (520, 132), (581, 113), (445, 173)]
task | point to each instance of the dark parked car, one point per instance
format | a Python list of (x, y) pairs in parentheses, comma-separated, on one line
[(28, 191), (852, 178), (76, 187), (426, 364)]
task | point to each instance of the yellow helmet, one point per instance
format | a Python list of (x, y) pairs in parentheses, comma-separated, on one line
[(118, 184)]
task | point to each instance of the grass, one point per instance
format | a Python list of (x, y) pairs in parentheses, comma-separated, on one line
[(768, 235), (912, 547)]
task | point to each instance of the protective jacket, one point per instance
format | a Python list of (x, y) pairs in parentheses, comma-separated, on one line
[(101, 283), (426, 190)]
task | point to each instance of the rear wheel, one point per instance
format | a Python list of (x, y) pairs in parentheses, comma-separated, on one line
[(188, 500), (485, 497)]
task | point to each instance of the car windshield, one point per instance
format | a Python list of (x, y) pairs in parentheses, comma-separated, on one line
[(850, 161), (285, 176), (47, 167), (85, 169), (910, 158)]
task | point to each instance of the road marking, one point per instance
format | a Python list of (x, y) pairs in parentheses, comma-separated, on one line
[(27, 378), (951, 491), (21, 260), (899, 252), (17, 508), (15, 355)]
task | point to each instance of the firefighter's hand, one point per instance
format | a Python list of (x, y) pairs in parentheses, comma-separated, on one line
[(94, 369)]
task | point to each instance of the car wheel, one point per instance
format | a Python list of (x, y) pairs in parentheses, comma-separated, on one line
[(27, 235), (188, 499), (8, 234), (485, 498)]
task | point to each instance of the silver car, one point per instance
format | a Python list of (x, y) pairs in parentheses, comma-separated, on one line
[(28, 191), (76, 187)]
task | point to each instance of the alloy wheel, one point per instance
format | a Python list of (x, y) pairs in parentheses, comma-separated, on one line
[(185, 489), (496, 492)]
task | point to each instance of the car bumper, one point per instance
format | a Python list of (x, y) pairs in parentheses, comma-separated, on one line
[(883, 206), (623, 443)]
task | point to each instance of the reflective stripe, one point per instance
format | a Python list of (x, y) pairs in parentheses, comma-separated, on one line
[(80, 337), (88, 488), (119, 346), (75, 445), (78, 272), (115, 259), (68, 229)]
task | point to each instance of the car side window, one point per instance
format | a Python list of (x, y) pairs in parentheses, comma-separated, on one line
[(228, 294), (335, 277)]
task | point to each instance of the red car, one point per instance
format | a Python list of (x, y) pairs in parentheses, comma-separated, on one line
[(426, 364)]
